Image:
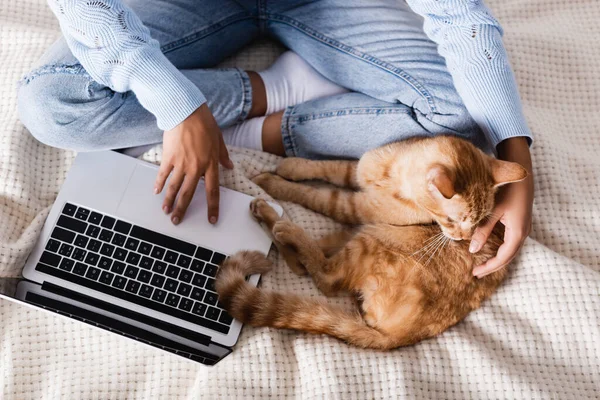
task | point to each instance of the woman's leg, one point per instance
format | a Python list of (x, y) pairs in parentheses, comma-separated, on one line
[(379, 50), (64, 107)]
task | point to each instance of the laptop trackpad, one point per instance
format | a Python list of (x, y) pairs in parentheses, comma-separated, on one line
[(236, 229)]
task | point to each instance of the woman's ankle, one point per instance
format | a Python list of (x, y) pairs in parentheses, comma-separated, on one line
[(259, 95), (272, 139)]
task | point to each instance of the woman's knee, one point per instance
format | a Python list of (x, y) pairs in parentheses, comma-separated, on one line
[(55, 106)]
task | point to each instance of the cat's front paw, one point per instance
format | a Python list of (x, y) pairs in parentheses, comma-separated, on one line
[(291, 168), (263, 212), (287, 233), (269, 182)]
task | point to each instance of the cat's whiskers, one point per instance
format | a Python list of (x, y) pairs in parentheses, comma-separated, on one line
[(432, 240), (439, 249), (431, 246)]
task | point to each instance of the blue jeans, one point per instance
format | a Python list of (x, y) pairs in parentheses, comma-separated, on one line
[(377, 49)]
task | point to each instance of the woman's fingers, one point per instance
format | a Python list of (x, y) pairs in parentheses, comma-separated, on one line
[(172, 189), (163, 173), (211, 182), (482, 233), (224, 154), (506, 252), (186, 193)]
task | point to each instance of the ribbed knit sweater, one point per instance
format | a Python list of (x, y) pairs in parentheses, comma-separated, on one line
[(116, 49)]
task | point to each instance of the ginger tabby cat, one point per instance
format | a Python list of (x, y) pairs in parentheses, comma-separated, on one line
[(411, 278)]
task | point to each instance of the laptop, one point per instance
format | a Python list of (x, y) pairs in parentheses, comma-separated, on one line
[(108, 256)]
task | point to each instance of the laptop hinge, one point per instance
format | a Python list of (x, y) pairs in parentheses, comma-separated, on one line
[(145, 319)]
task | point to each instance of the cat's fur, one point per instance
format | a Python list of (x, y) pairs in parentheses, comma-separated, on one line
[(411, 280)]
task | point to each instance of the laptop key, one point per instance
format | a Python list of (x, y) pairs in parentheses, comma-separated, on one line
[(119, 240), (198, 294), (118, 267), (79, 269), (171, 285), (133, 286), (184, 261), (210, 270), (132, 244), (65, 250), (172, 300), (211, 298), (159, 295), (173, 271), (91, 258), (158, 252), (218, 258), (66, 264), (159, 267), (210, 284), (144, 276), (107, 250), (203, 254), (184, 289), (105, 263), (53, 245), (108, 222), (199, 308), (146, 291), (145, 248), (119, 282), (225, 318), (171, 257), (82, 213), (157, 280), (106, 277), (95, 218), (213, 313), (92, 273), (71, 224), (133, 258), (131, 271), (199, 280), (123, 227), (146, 262), (79, 254), (197, 265), (63, 235), (186, 304), (93, 231), (120, 254), (94, 245), (50, 259), (81, 241), (106, 235), (69, 209), (186, 276)]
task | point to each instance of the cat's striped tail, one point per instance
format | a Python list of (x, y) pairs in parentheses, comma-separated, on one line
[(259, 307)]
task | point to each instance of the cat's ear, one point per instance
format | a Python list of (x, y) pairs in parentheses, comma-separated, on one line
[(505, 172), (441, 181)]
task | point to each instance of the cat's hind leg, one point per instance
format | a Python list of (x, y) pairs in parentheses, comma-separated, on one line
[(341, 173)]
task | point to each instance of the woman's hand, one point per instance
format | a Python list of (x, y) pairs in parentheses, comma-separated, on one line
[(514, 203), (191, 150)]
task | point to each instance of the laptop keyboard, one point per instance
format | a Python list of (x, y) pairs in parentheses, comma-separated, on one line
[(136, 264)]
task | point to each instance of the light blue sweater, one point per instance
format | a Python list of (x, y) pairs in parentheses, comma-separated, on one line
[(468, 36)]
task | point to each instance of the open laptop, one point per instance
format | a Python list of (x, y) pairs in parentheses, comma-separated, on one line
[(107, 255)]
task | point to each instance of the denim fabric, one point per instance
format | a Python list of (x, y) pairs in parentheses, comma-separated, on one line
[(376, 48)]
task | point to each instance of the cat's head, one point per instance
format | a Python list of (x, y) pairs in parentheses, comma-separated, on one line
[(460, 191)]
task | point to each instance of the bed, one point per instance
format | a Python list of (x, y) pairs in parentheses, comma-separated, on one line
[(538, 337)]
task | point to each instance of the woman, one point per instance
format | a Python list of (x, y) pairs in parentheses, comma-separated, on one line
[(133, 72)]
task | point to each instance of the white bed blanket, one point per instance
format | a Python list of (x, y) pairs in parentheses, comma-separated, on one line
[(538, 337)]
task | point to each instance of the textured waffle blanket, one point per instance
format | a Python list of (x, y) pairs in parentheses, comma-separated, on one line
[(538, 337)]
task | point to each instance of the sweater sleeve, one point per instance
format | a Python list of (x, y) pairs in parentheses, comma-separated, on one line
[(116, 49), (470, 39)]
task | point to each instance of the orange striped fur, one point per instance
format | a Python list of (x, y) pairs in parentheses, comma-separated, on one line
[(411, 278)]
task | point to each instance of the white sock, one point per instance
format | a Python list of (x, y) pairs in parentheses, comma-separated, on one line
[(248, 134), (291, 80)]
